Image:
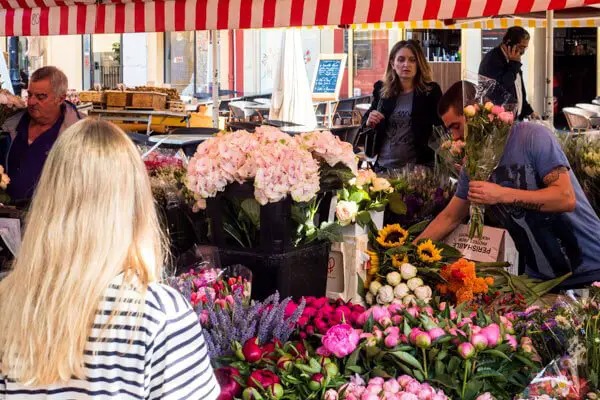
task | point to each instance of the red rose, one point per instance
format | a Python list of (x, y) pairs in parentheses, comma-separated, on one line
[(321, 326), (309, 300), (341, 314), (310, 330), (320, 302), (302, 321), (263, 377), (290, 308), (309, 312)]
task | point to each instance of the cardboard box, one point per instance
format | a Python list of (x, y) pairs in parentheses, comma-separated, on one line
[(496, 245)]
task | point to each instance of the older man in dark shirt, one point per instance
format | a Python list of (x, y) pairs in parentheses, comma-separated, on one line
[(35, 130)]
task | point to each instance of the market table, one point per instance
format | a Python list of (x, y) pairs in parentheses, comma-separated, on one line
[(132, 119)]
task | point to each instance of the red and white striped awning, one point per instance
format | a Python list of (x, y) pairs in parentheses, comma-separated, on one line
[(69, 17)]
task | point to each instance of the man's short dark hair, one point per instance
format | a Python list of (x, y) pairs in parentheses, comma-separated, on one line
[(455, 97), (515, 34)]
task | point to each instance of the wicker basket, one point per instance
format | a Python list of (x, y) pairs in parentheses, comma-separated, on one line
[(92, 97), (149, 100), (117, 98)]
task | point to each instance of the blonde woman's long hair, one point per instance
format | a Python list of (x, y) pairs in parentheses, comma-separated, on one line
[(92, 218), (392, 86)]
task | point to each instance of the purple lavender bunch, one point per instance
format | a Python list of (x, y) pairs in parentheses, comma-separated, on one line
[(265, 320)]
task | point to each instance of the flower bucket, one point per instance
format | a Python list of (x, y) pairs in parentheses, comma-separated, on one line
[(297, 272)]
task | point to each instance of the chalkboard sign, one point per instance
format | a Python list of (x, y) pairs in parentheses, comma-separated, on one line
[(328, 76), (491, 38)]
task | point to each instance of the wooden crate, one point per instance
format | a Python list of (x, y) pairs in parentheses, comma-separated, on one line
[(92, 96), (149, 100), (117, 98), (176, 106)]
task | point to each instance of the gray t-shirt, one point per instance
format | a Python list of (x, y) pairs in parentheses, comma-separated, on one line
[(398, 147), (550, 244)]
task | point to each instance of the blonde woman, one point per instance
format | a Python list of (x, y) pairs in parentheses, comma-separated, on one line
[(81, 314)]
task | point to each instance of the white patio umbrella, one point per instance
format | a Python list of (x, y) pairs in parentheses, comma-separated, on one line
[(292, 96)]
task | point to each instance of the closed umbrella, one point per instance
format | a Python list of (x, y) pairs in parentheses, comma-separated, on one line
[(292, 97)]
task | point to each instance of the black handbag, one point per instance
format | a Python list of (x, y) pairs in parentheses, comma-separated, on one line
[(366, 135)]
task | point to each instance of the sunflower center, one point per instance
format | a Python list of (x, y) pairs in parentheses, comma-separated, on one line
[(427, 252), (394, 237)]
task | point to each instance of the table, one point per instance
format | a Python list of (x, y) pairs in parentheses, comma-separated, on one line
[(140, 116), (260, 108)]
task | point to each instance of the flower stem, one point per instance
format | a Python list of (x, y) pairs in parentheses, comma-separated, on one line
[(425, 364), (466, 373)]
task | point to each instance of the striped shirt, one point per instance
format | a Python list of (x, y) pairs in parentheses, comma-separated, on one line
[(167, 358)]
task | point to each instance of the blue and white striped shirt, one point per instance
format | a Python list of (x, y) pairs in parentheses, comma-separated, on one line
[(167, 358)]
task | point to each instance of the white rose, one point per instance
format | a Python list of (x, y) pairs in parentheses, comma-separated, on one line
[(346, 211), (385, 295), (401, 290), (414, 283), (369, 298), (408, 299), (381, 185), (374, 287), (393, 278), (423, 293), (408, 271)]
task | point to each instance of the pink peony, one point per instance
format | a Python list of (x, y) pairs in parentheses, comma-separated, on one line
[(407, 396), (435, 333), (492, 334), (596, 284), (331, 394), (512, 341), (413, 334), (391, 386), (486, 396), (479, 341), (341, 340), (392, 341), (404, 380), (466, 350), (413, 387)]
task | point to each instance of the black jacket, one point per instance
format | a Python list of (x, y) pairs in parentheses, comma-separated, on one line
[(424, 118), (495, 66)]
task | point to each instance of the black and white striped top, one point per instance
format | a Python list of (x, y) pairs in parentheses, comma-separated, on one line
[(167, 358)]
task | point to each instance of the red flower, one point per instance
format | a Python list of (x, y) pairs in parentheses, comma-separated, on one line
[(302, 321), (230, 388), (252, 351), (320, 302), (263, 377), (309, 312), (290, 308)]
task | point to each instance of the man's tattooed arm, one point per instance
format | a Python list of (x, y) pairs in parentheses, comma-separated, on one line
[(528, 205), (553, 175)]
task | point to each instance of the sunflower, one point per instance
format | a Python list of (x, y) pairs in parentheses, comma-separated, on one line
[(373, 262), (399, 259), (428, 252), (392, 236)]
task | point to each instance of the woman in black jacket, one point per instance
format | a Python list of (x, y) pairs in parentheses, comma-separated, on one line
[(404, 109)]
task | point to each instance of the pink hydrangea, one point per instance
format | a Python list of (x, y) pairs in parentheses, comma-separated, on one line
[(329, 148)]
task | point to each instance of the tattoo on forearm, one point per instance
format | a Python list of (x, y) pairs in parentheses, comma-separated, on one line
[(554, 175), (528, 205)]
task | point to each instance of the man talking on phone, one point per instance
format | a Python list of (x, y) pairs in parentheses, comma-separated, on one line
[(503, 64)]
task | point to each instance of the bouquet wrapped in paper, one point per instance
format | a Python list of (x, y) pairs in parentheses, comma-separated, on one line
[(488, 125)]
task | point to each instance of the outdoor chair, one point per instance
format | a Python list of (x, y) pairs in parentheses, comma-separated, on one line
[(578, 119), (239, 112)]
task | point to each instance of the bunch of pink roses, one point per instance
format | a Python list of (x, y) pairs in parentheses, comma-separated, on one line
[(403, 388)]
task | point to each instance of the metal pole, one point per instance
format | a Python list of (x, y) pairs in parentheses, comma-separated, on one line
[(549, 99), (215, 80)]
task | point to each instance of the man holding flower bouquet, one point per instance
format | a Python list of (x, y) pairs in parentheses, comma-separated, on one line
[(533, 194)]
